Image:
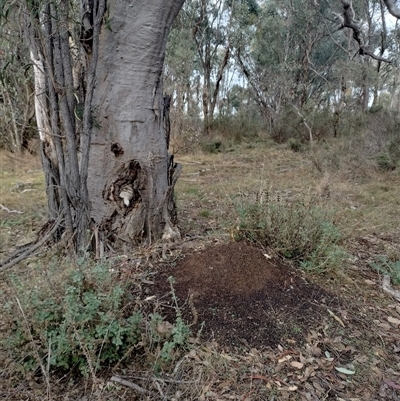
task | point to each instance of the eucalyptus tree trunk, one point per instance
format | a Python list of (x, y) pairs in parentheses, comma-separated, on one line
[(210, 35), (101, 117), (131, 176)]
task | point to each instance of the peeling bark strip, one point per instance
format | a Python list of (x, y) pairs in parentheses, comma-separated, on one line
[(51, 46)]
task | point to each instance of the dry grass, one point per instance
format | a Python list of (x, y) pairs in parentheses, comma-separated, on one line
[(22, 193), (366, 199), (366, 202)]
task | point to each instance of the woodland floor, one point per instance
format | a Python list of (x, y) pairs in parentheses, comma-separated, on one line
[(294, 329), (245, 299), (262, 329)]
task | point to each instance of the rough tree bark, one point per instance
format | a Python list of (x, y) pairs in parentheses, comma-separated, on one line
[(101, 119), (131, 176)]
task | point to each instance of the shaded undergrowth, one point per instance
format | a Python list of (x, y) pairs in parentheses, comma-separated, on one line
[(81, 318)]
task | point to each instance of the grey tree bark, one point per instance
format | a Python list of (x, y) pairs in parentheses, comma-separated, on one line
[(101, 119), (131, 176), (393, 8)]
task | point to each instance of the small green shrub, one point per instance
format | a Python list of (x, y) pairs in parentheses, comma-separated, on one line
[(213, 146), (388, 267), (204, 213), (83, 326), (380, 139), (86, 321), (298, 230), (180, 333), (236, 128), (291, 128), (178, 337), (168, 338), (385, 162), (388, 159), (294, 145)]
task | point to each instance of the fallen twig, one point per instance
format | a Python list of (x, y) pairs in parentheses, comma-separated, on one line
[(337, 318), (164, 380), (131, 385), (9, 210), (13, 259)]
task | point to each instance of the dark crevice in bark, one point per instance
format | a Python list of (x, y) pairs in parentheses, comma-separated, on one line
[(117, 149), (126, 194), (166, 120), (174, 170), (86, 34), (125, 190)]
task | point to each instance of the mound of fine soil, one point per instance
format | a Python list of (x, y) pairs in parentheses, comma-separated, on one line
[(238, 295)]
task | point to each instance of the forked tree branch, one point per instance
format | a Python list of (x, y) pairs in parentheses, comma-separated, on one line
[(376, 57), (347, 20), (393, 8)]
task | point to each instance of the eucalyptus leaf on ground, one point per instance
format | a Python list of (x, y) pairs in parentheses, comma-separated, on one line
[(345, 371)]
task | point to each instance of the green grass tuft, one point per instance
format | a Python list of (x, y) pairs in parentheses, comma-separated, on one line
[(388, 267), (299, 230)]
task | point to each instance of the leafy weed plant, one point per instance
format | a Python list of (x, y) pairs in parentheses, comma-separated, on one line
[(82, 322), (169, 337), (85, 324), (298, 230), (388, 267)]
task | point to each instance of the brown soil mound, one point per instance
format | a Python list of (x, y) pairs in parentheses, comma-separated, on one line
[(238, 295)]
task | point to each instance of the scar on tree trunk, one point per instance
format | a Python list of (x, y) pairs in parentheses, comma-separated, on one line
[(135, 213)]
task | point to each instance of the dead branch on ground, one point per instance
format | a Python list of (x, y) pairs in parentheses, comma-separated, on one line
[(25, 251)]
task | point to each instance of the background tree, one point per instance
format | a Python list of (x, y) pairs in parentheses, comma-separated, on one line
[(16, 83), (210, 32), (199, 60), (181, 80), (204, 27), (290, 57)]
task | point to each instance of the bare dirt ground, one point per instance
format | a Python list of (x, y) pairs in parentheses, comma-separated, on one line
[(300, 332), (243, 297)]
